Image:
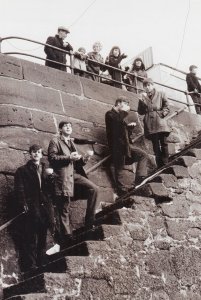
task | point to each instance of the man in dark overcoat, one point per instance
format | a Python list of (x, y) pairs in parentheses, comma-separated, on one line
[(122, 151), (154, 105), (54, 54), (70, 179), (31, 190), (194, 88)]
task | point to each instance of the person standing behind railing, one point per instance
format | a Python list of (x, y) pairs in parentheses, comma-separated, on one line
[(114, 59), (93, 67), (54, 54), (80, 57), (194, 87), (138, 69)]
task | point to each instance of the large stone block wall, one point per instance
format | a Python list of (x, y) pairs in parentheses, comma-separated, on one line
[(33, 100)]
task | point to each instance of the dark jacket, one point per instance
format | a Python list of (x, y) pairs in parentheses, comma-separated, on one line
[(93, 67), (193, 82), (30, 193), (54, 54), (117, 135), (59, 158), (134, 80), (155, 110), (114, 61)]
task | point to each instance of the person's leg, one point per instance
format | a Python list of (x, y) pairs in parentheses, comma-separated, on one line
[(41, 245), (28, 247), (157, 149), (164, 147), (196, 100), (141, 157), (63, 207), (85, 189)]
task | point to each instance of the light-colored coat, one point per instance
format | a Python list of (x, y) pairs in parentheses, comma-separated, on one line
[(155, 111)]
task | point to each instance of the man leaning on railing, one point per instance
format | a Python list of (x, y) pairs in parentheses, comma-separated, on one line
[(53, 54)]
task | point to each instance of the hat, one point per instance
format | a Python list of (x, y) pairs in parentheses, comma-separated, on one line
[(192, 67), (63, 28), (148, 80)]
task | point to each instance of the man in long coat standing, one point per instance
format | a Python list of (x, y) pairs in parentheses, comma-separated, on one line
[(70, 180), (154, 105), (31, 190), (122, 152), (54, 54)]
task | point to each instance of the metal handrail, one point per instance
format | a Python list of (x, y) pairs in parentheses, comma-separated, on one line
[(175, 69), (105, 66)]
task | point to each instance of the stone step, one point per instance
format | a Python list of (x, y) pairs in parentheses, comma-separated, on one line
[(83, 245), (51, 283), (35, 296)]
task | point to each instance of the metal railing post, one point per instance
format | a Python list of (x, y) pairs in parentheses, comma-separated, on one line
[(72, 62), (0, 43), (188, 102)]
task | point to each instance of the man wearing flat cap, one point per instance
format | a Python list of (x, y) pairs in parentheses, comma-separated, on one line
[(55, 55)]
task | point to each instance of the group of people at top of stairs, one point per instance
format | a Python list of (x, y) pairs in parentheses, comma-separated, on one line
[(85, 65)]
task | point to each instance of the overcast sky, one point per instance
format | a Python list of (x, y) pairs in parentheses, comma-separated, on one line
[(131, 24)]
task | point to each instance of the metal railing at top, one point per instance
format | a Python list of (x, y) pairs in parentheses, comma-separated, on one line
[(101, 65)]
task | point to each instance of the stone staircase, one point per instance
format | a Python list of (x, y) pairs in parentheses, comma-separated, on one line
[(145, 246)]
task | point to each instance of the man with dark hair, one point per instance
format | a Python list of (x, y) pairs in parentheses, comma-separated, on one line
[(122, 151), (194, 87), (31, 186), (70, 178), (54, 54)]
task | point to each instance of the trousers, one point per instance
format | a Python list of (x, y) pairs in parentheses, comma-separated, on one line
[(160, 148), (84, 189), (137, 155)]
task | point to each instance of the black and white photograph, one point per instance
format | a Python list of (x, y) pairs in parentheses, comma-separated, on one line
[(100, 150)]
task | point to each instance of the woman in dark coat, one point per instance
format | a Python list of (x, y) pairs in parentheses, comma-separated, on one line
[(114, 59), (154, 105), (138, 69)]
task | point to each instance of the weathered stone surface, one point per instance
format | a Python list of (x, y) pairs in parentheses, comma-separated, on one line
[(195, 153), (11, 67), (24, 93), (178, 208), (106, 94), (155, 189), (43, 121), (195, 170), (85, 109), (50, 283), (50, 77), (83, 129), (186, 263), (22, 138), (10, 160), (12, 116), (144, 203), (177, 229), (138, 232), (178, 171), (186, 161), (169, 180)]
